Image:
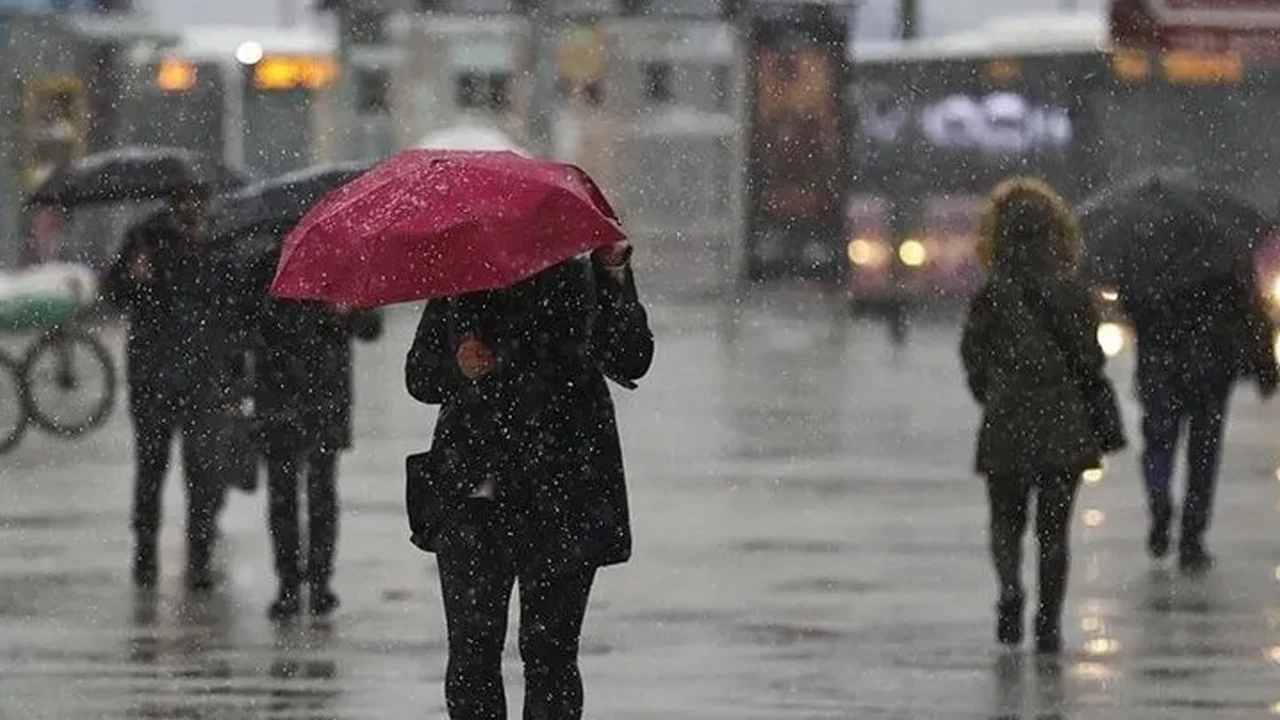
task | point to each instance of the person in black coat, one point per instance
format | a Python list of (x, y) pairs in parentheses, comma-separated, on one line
[(525, 480), (1029, 325), (185, 357), (1193, 347), (302, 399)]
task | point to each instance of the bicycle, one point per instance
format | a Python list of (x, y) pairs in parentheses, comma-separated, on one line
[(63, 383), (67, 360), (15, 415)]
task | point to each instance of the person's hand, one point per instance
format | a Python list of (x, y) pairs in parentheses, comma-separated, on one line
[(613, 257), (141, 270), (340, 313), (1267, 384), (475, 359)]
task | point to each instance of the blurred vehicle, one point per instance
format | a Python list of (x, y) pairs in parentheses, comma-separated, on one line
[(257, 97), (938, 123)]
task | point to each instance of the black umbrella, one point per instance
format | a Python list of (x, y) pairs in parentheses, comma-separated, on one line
[(135, 173), (280, 202), (1163, 232)]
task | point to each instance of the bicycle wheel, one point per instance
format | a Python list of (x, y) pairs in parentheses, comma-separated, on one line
[(70, 383), (14, 415)]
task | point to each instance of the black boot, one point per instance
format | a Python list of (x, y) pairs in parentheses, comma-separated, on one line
[(1009, 627), (1158, 537), (286, 605), (201, 573), (146, 564), (1193, 558), (323, 600)]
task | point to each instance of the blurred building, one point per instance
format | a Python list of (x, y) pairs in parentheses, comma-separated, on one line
[(67, 66)]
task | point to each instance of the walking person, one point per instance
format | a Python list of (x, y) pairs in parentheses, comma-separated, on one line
[(302, 399), (525, 482), (1193, 347), (1033, 363), (185, 359)]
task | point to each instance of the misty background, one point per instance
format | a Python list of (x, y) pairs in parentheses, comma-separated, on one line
[(876, 18)]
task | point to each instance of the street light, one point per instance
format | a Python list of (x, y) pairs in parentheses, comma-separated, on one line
[(249, 53)]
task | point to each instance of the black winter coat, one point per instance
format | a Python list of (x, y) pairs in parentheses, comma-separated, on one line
[(1034, 418), (303, 375), (1209, 335), (542, 422), (187, 338)]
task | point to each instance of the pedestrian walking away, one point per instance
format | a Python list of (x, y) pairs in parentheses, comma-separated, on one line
[(524, 480), (1193, 347), (185, 361), (302, 402), (1033, 363)]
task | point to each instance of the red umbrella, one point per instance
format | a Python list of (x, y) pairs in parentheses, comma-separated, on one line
[(430, 223)]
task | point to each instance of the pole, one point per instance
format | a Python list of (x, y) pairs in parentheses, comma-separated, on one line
[(10, 194), (908, 19), (543, 38)]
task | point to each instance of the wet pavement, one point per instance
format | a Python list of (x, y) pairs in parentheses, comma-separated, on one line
[(809, 545)]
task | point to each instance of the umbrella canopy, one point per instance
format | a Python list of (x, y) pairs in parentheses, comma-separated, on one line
[(470, 137), (427, 224), (1162, 233), (280, 202), (132, 174)]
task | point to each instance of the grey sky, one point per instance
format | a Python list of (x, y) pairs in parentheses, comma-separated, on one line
[(877, 17)]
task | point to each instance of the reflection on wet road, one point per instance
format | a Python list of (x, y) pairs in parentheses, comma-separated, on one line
[(809, 545)]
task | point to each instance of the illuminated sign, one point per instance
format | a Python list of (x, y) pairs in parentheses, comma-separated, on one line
[(55, 125), (1131, 66), (1179, 67), (176, 75), (294, 72), (1197, 68), (1003, 71)]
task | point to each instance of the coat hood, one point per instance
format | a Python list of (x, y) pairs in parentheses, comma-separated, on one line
[(1028, 229)]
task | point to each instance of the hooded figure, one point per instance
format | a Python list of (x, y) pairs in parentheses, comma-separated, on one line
[(1028, 326), (524, 481)]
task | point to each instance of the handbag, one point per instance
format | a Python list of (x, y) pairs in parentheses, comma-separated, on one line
[(431, 498), (227, 433), (1096, 389)]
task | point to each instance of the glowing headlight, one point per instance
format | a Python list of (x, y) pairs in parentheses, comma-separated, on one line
[(866, 252), (1275, 289), (1111, 339), (912, 253), (1110, 295)]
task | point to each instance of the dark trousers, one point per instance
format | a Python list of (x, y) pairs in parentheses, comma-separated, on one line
[(284, 523), (479, 564), (155, 424), (1168, 407), (1010, 498)]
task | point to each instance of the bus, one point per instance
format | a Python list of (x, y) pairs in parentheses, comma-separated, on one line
[(937, 124), (253, 96)]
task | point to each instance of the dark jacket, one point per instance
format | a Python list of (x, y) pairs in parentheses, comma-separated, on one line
[(1034, 417), (303, 374), (187, 333), (1210, 335), (542, 422)]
